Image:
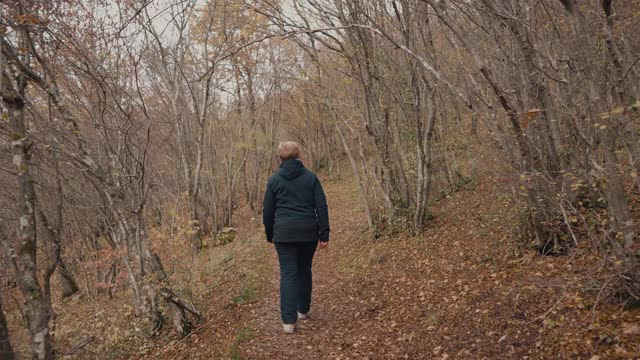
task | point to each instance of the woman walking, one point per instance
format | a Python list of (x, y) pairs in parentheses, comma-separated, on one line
[(296, 219)]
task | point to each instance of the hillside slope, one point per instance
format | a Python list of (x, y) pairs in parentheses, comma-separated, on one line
[(461, 290)]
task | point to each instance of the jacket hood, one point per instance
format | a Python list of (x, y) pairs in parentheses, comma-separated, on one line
[(291, 169)]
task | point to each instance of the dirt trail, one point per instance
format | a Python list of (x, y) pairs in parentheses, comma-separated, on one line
[(395, 298), (321, 335)]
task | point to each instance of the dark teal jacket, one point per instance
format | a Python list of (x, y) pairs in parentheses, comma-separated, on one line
[(295, 207)]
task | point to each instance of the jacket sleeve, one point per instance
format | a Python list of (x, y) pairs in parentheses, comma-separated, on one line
[(322, 211), (268, 211)]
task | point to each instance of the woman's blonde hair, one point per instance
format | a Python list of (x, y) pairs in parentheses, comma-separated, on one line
[(288, 150)]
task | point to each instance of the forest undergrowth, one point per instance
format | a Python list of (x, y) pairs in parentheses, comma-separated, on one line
[(463, 289)]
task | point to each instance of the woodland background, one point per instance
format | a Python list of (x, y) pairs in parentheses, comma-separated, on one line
[(137, 137)]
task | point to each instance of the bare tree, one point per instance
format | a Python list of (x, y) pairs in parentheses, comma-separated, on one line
[(6, 351)]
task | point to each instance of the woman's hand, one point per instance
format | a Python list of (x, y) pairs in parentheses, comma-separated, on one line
[(323, 244)]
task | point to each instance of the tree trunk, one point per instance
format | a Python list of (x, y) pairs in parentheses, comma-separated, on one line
[(6, 352), (360, 180), (613, 188), (156, 287), (68, 282), (623, 88), (202, 225), (37, 309), (12, 92)]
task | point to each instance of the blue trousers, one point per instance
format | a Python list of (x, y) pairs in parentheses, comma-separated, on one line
[(296, 259)]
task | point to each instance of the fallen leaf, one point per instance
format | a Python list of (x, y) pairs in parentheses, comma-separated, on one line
[(630, 328)]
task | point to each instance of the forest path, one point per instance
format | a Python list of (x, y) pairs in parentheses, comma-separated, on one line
[(322, 335), (448, 292)]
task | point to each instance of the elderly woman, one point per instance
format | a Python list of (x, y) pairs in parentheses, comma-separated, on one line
[(295, 218)]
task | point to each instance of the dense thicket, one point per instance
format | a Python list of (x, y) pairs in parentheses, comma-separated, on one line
[(121, 116)]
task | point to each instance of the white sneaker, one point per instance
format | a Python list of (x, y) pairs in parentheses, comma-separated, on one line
[(302, 316), (289, 328)]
